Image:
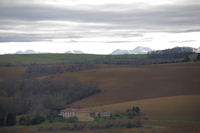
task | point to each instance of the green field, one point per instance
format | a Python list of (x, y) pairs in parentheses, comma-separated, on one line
[(63, 58)]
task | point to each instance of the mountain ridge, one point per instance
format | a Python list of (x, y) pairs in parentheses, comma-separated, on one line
[(137, 50)]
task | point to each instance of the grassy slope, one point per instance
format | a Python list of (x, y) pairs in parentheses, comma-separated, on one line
[(167, 108), (134, 83), (43, 58), (60, 58)]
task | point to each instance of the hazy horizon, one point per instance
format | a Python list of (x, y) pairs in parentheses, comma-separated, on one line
[(74, 51)]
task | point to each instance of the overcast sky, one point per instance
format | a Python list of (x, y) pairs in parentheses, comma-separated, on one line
[(97, 26)]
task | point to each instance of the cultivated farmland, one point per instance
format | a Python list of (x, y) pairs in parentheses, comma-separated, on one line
[(135, 83)]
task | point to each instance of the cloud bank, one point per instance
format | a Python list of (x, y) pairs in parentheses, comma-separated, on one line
[(102, 21)]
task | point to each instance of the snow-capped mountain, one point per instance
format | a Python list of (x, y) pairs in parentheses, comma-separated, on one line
[(119, 51), (74, 52), (137, 50), (140, 50), (26, 52)]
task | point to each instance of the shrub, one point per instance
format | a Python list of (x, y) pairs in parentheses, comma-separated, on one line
[(72, 119), (131, 113), (37, 120), (198, 57), (22, 121), (129, 125), (11, 119), (137, 109), (186, 58), (2, 119)]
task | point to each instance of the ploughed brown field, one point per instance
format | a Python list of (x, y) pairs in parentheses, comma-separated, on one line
[(12, 72), (166, 108), (121, 84)]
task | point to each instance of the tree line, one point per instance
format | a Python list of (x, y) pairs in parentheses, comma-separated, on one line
[(40, 98), (36, 70)]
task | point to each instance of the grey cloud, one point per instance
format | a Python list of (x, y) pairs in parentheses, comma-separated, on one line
[(173, 15), (174, 18), (19, 39), (182, 41), (141, 40), (118, 41), (34, 37), (192, 30)]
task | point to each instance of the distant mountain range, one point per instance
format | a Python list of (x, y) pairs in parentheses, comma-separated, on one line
[(74, 52), (35, 52), (27, 52), (137, 50)]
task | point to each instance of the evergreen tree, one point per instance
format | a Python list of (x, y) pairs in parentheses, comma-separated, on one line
[(137, 109)]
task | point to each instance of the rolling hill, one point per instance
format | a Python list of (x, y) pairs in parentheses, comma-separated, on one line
[(165, 108), (121, 84)]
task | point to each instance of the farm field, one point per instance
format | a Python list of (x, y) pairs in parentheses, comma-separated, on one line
[(180, 108), (62, 58), (135, 83), (14, 72), (18, 72)]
